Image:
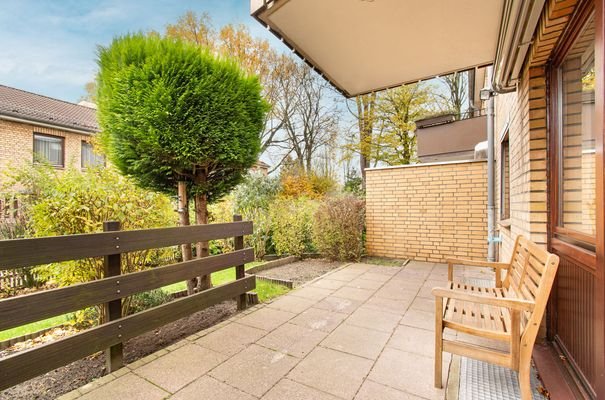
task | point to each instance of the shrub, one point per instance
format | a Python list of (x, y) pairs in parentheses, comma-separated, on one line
[(220, 212), (338, 228), (291, 225), (73, 201), (256, 191), (145, 300), (296, 185), (252, 199)]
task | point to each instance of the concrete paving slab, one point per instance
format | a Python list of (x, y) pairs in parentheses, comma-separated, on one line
[(419, 319), (374, 319), (129, 386), (312, 293), (408, 372), (316, 318), (361, 283), (363, 342), (293, 304), (413, 340), (326, 283), (338, 304), (374, 391), (373, 276), (176, 369), (255, 370), (354, 293), (266, 318), (290, 390), (231, 339), (292, 339), (209, 388), (423, 304), (332, 371), (398, 307)]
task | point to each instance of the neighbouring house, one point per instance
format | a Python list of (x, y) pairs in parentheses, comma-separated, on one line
[(35, 127), (545, 105), (261, 167)]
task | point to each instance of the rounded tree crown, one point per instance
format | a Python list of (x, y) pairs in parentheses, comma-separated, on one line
[(170, 112)]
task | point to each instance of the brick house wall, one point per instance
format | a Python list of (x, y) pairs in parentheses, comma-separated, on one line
[(523, 114), (17, 144), (427, 212)]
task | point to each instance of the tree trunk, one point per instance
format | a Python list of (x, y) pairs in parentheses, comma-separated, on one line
[(202, 248), (183, 210)]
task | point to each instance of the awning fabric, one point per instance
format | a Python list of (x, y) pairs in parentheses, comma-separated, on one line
[(362, 46)]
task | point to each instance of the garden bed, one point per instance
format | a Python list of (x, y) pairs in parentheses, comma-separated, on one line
[(302, 271)]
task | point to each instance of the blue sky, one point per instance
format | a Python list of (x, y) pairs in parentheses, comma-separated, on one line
[(49, 47)]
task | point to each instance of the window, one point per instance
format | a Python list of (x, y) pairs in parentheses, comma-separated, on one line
[(89, 158), (504, 178), (50, 149), (576, 197)]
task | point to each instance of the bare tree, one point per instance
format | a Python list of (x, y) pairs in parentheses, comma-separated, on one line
[(313, 118), (455, 100)]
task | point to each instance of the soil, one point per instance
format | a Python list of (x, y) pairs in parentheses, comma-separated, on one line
[(67, 378), (301, 271)]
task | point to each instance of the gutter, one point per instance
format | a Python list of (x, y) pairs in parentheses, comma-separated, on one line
[(46, 125), (519, 21)]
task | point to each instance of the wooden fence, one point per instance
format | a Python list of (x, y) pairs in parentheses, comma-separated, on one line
[(110, 290)]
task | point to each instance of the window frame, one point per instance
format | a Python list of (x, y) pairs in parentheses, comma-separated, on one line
[(505, 178), (62, 140), (576, 244)]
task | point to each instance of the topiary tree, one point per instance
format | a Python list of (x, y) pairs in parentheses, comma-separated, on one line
[(173, 116)]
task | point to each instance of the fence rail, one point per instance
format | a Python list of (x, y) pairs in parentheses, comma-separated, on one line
[(110, 290)]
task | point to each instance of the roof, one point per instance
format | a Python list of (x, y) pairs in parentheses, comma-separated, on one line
[(33, 107)]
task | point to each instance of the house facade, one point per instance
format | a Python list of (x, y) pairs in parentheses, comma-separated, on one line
[(549, 167), (38, 128), (547, 90)]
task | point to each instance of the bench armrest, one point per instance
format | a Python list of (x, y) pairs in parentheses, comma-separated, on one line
[(513, 304), (476, 263)]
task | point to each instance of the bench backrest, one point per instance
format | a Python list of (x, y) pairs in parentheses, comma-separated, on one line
[(530, 277)]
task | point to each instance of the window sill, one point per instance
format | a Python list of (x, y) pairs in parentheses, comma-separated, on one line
[(505, 223)]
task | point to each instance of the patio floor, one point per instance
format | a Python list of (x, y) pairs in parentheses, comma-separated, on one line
[(360, 332)]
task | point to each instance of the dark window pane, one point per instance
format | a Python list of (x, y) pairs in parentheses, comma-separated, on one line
[(49, 148)]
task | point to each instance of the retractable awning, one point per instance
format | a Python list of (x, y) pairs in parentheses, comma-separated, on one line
[(362, 46)]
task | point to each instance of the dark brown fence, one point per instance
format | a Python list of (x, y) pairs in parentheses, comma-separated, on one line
[(110, 290)]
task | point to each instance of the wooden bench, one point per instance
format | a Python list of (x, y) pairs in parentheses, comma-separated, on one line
[(509, 312)]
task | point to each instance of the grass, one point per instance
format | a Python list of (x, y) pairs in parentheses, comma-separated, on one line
[(34, 327), (265, 290)]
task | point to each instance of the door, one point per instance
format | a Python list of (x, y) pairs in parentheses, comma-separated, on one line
[(576, 230)]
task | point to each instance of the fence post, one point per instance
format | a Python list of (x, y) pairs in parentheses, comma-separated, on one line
[(240, 270), (114, 358)]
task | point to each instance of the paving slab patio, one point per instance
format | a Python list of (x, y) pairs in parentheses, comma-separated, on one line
[(360, 332)]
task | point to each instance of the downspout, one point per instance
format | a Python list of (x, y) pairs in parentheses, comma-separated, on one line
[(491, 188)]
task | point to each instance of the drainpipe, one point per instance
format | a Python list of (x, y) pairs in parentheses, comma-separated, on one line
[(491, 208)]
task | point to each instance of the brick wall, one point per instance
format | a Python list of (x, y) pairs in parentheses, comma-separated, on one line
[(524, 115), (17, 143), (427, 212)]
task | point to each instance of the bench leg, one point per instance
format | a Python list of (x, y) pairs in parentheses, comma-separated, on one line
[(438, 342), (524, 376)]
